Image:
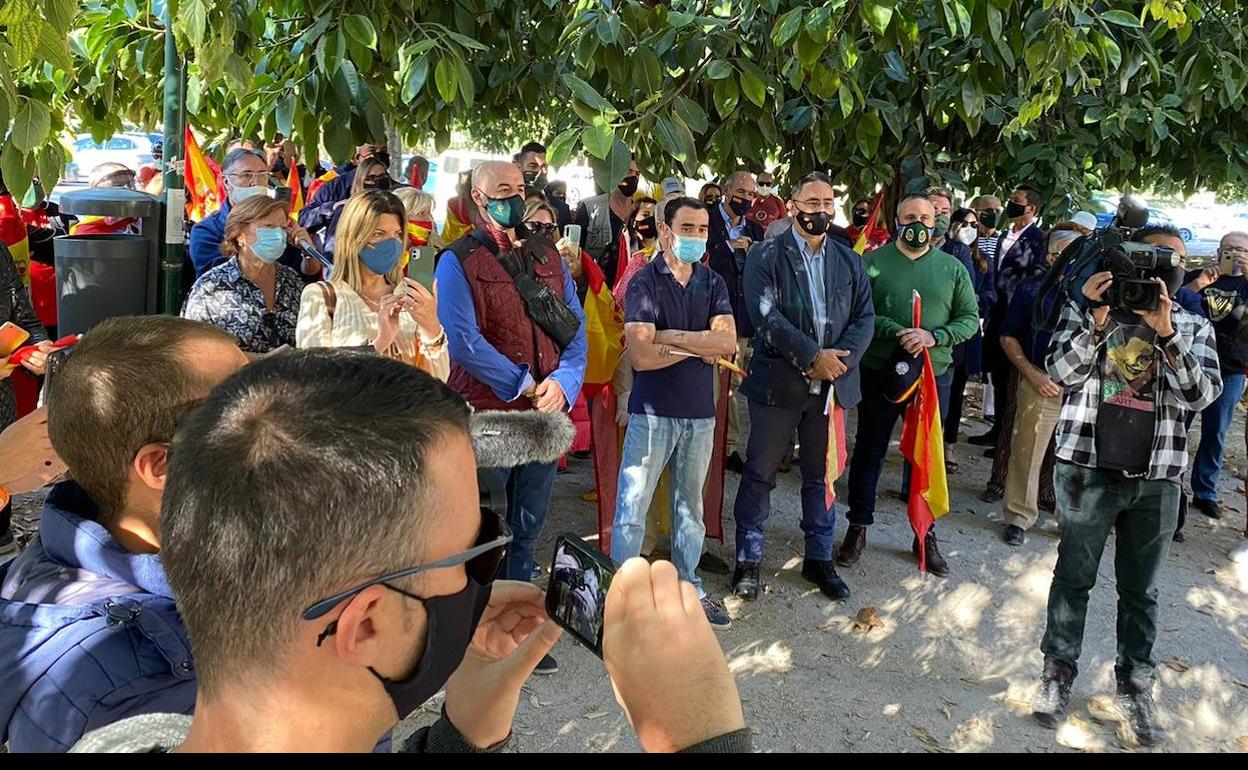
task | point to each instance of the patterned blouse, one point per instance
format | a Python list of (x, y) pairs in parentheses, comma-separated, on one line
[(227, 299)]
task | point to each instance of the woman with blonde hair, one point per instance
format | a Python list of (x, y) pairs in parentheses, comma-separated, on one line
[(367, 301), (419, 205)]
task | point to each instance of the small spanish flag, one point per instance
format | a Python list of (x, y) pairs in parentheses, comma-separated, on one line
[(864, 237), (203, 181), (923, 444), (296, 192), (328, 176)]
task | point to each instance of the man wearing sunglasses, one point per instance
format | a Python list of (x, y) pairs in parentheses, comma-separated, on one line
[(335, 571), (89, 633)]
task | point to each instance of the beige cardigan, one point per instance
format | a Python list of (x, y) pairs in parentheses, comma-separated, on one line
[(354, 324)]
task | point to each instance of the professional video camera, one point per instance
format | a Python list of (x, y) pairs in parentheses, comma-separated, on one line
[(1134, 266)]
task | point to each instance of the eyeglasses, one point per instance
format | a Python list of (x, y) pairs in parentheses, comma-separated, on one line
[(542, 228), (251, 177), (712, 200), (481, 561), (817, 204), (1234, 250)]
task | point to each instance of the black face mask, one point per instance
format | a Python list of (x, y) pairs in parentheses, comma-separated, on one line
[(739, 206), (861, 217), (1015, 210), (628, 187), (380, 183), (383, 158), (645, 228), (814, 224), (452, 620), (988, 218)]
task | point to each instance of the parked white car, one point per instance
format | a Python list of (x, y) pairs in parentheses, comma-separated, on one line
[(131, 150)]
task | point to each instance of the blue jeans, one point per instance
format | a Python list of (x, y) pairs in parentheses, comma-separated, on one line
[(651, 444), (877, 416), (771, 434), (1214, 421), (528, 499)]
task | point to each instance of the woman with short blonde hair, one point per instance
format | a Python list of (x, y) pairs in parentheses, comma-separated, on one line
[(367, 301), (419, 205)]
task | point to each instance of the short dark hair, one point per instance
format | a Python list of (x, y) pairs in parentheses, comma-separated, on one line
[(1152, 230), (536, 147), (300, 475), (1031, 194), (236, 155), (124, 386), (811, 177), (676, 204)]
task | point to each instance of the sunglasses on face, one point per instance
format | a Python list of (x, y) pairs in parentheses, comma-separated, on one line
[(542, 228), (481, 562), (712, 200)]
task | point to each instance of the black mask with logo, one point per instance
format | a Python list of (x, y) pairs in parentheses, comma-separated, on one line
[(628, 187), (813, 223)]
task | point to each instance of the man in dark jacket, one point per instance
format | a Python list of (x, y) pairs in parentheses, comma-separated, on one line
[(810, 303), (732, 234), (390, 608), (89, 633)]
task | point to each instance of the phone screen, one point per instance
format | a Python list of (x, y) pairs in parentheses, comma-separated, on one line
[(577, 592), (572, 233), (420, 265)]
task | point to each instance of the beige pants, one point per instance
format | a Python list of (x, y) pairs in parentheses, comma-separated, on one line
[(1035, 419), (738, 406)]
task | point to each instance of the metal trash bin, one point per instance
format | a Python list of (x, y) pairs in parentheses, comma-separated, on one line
[(102, 276)]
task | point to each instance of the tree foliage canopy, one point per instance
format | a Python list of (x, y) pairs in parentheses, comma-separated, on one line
[(1071, 95)]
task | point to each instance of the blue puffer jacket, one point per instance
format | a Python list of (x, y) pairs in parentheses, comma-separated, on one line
[(89, 633)]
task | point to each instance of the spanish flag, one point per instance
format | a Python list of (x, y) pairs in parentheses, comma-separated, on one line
[(604, 328), (203, 181), (923, 444), (864, 237), (834, 460), (13, 235), (296, 192), (328, 176)]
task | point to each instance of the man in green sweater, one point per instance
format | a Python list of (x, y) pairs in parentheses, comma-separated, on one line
[(950, 315)]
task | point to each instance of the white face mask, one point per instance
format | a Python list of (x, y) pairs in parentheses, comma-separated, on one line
[(240, 194), (764, 190), (967, 234)]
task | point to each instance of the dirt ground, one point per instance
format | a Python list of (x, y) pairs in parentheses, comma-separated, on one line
[(955, 664), (954, 667)]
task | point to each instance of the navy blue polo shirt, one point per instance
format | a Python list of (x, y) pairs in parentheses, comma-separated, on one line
[(683, 390)]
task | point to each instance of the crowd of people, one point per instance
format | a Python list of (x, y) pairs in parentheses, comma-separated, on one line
[(202, 568)]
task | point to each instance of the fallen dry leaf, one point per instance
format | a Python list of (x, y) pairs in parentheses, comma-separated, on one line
[(947, 710), (1242, 742), (928, 740), (1175, 664), (1104, 709), (597, 714), (867, 619)]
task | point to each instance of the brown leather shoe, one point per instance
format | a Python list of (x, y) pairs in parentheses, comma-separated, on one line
[(852, 547), (936, 563)]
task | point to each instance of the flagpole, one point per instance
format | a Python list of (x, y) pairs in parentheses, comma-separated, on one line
[(174, 160)]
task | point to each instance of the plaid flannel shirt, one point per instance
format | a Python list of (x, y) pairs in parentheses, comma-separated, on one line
[(1190, 380)]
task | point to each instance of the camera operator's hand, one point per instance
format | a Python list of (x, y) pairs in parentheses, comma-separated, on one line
[(1159, 320), (1094, 289), (668, 670), (914, 340), (1204, 278), (512, 638)]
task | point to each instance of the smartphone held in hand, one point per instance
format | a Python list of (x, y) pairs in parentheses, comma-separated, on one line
[(577, 592)]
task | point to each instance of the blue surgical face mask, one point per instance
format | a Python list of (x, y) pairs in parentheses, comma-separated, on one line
[(240, 194), (270, 244), (383, 256), (688, 249)]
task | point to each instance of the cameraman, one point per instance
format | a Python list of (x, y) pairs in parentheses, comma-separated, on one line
[(1130, 378)]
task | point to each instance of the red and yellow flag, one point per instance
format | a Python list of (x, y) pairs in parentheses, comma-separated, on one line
[(328, 176), (834, 463), (923, 444), (13, 235), (296, 192), (604, 329), (868, 230), (203, 181)]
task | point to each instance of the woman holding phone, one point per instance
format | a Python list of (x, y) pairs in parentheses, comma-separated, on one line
[(367, 301)]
